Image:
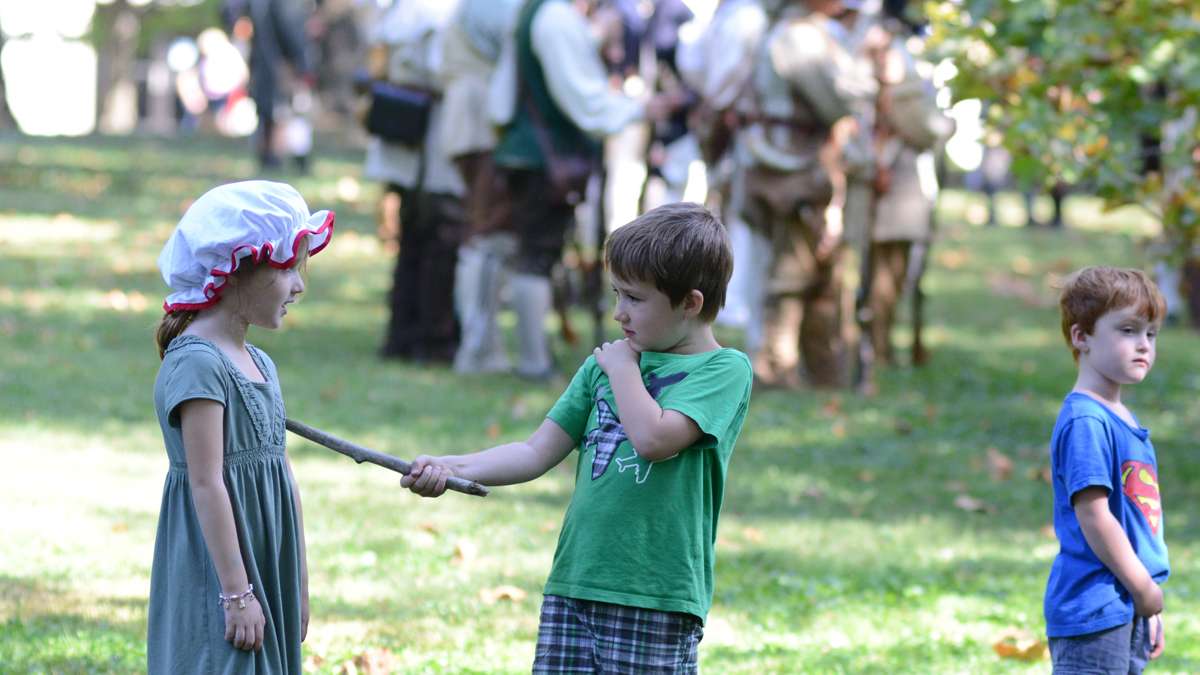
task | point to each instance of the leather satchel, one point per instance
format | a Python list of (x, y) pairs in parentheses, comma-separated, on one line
[(399, 114), (568, 174)]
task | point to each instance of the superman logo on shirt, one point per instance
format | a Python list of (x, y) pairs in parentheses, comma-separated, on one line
[(1139, 482)]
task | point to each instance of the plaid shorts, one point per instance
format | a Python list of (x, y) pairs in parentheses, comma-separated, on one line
[(583, 636)]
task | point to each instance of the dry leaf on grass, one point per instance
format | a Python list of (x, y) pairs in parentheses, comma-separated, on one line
[(375, 661), (1019, 644), (491, 596), (838, 429), (1008, 286), (1021, 265), (465, 552), (952, 258), (1000, 467), (968, 503), (833, 407)]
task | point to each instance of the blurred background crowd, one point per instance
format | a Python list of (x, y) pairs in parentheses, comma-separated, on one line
[(511, 136)]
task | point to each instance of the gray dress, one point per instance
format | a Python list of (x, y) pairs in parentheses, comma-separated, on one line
[(186, 632)]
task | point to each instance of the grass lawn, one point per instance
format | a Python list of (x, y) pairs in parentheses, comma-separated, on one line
[(880, 535)]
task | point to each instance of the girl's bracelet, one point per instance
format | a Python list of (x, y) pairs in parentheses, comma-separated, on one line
[(240, 598)]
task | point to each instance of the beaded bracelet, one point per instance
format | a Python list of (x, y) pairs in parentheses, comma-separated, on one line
[(226, 600)]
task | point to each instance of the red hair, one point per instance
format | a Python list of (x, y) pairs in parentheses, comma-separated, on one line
[(1092, 292)]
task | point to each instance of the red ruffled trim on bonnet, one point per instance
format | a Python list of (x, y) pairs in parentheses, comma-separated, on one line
[(259, 253)]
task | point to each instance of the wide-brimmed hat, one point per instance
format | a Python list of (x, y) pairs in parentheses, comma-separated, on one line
[(256, 219)]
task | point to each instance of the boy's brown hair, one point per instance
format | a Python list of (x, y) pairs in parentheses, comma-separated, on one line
[(1092, 292), (679, 247)]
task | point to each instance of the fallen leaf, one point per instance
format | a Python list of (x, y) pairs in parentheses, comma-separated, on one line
[(866, 476), (371, 662), (952, 258), (1000, 467), (506, 592), (833, 407), (1021, 265), (838, 429), (1063, 265), (429, 526), (968, 503), (1041, 472), (1021, 645), (1008, 286), (465, 552), (753, 534), (519, 409)]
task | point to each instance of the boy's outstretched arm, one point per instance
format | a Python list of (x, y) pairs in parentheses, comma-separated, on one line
[(506, 464), (654, 433), (1110, 543)]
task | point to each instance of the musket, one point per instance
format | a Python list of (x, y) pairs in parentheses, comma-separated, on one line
[(864, 375), (918, 258), (594, 282), (360, 454)]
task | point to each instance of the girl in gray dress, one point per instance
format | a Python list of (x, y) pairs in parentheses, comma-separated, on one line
[(229, 585)]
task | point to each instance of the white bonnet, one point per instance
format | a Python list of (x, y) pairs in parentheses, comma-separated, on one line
[(256, 218)]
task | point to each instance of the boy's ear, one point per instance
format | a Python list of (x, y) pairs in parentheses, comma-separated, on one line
[(1078, 337), (693, 302)]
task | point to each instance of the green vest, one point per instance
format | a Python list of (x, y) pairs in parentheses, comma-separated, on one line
[(518, 145)]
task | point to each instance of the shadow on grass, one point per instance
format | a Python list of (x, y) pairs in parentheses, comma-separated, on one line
[(34, 640)]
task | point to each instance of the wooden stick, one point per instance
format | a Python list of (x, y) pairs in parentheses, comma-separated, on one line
[(360, 454)]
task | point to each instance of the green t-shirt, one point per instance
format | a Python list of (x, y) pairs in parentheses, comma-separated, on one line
[(638, 533)]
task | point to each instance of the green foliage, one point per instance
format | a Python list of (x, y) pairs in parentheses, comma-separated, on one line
[(1074, 87), (158, 22), (846, 543)]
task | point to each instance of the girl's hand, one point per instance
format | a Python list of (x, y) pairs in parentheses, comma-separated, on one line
[(1157, 642), (612, 356), (244, 627), (427, 477)]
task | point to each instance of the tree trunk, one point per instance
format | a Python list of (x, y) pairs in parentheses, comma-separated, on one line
[(116, 81), (1190, 288)]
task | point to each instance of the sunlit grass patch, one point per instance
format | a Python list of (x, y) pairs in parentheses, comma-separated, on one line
[(858, 535)]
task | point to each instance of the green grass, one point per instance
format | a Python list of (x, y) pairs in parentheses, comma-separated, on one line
[(841, 548)]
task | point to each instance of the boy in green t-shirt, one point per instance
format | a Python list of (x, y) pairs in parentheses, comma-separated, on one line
[(655, 416)]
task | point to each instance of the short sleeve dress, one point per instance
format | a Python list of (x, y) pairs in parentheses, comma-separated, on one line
[(186, 632)]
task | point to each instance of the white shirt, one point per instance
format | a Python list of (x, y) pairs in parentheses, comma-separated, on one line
[(570, 60)]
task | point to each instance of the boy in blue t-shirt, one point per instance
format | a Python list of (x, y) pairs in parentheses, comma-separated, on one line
[(1104, 598), (655, 417)]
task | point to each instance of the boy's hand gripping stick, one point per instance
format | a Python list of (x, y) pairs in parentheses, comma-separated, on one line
[(360, 454)]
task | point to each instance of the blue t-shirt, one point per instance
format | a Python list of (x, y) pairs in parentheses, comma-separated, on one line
[(1092, 446)]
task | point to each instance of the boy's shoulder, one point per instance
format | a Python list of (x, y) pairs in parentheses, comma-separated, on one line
[(1081, 413), (1077, 404)]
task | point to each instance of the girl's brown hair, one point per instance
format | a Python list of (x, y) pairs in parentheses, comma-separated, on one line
[(172, 324)]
